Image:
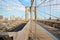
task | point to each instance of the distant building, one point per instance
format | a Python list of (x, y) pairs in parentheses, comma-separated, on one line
[(1, 17), (18, 18), (6, 19), (12, 17)]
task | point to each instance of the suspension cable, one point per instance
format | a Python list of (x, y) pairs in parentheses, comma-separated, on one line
[(51, 5), (35, 19), (49, 14), (41, 3), (21, 3), (47, 5), (41, 15), (50, 10), (44, 2)]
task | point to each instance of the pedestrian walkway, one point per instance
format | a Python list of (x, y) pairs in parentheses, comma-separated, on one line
[(31, 31)]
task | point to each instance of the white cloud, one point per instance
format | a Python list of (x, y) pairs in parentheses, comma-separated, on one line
[(15, 8), (21, 9), (12, 5)]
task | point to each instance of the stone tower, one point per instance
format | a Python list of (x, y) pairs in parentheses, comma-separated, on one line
[(31, 10)]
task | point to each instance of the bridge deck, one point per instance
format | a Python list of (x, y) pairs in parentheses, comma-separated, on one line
[(29, 33), (54, 31), (40, 33)]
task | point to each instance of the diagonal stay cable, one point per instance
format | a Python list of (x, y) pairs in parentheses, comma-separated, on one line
[(21, 3), (41, 15), (52, 5), (41, 3), (49, 14), (44, 2)]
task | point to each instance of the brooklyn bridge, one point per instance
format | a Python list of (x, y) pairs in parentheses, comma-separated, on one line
[(33, 28)]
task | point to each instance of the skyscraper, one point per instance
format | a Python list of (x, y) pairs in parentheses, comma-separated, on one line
[(1, 17)]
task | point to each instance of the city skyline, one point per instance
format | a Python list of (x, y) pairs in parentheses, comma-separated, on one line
[(14, 7)]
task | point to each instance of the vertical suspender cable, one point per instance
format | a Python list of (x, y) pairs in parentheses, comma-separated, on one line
[(35, 19), (31, 16), (56, 9), (44, 12), (50, 10)]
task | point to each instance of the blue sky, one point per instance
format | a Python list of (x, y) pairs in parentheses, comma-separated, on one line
[(14, 7)]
